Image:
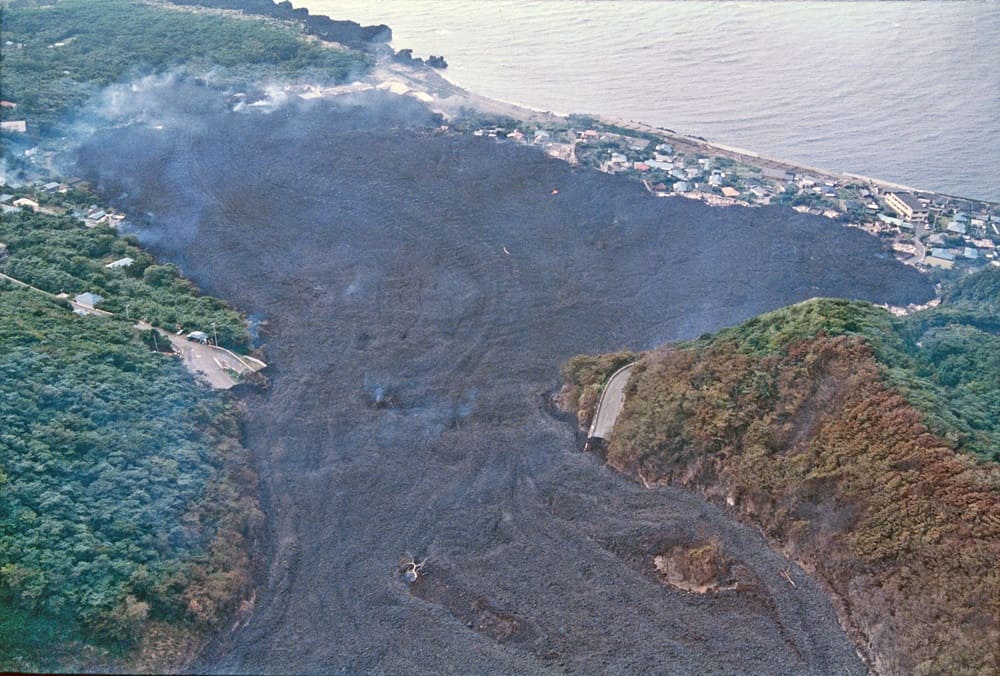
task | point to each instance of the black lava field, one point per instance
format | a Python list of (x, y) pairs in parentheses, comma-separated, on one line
[(411, 358)]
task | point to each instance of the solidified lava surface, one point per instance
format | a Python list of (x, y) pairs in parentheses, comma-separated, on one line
[(411, 356)]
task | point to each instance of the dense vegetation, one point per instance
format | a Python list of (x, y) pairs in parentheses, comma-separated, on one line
[(56, 253), (126, 500), (841, 431), (61, 53)]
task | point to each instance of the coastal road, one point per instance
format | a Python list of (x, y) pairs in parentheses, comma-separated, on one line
[(611, 403)]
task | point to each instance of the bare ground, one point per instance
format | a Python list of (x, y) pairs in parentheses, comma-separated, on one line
[(410, 359)]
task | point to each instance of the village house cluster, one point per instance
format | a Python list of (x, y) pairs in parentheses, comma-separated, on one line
[(927, 230), (92, 216)]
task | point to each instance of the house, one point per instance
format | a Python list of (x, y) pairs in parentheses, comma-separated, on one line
[(906, 205), (88, 299), (95, 218), (940, 258), (27, 203), (16, 126), (640, 166), (730, 192), (776, 174), (638, 144), (120, 263), (970, 253), (541, 136), (937, 239), (681, 186), (957, 227), (50, 187)]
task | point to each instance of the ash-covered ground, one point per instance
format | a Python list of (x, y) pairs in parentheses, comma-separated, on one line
[(411, 355)]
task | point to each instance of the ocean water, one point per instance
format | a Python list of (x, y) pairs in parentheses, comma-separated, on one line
[(907, 92)]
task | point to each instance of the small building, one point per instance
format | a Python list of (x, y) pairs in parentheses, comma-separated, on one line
[(957, 227), (906, 205), (198, 337), (640, 166), (776, 174), (637, 144), (120, 263), (50, 187), (8, 104), (16, 126), (729, 191), (27, 203), (95, 218), (681, 186), (88, 299), (940, 258), (970, 253)]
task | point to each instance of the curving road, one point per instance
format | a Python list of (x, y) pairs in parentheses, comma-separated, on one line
[(611, 403)]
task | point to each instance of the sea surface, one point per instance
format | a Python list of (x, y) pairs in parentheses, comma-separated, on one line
[(903, 91)]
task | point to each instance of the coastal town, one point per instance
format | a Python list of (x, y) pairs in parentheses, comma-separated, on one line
[(942, 235), (931, 231)]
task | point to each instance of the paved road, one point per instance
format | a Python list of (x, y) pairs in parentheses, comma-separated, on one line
[(610, 405), (213, 365)]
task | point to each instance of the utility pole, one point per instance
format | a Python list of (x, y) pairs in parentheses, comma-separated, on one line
[(216, 333)]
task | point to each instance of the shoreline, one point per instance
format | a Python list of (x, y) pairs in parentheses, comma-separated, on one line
[(434, 79)]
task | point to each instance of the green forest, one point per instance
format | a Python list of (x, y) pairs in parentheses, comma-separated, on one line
[(56, 253), (944, 359), (57, 55), (126, 499), (866, 447)]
